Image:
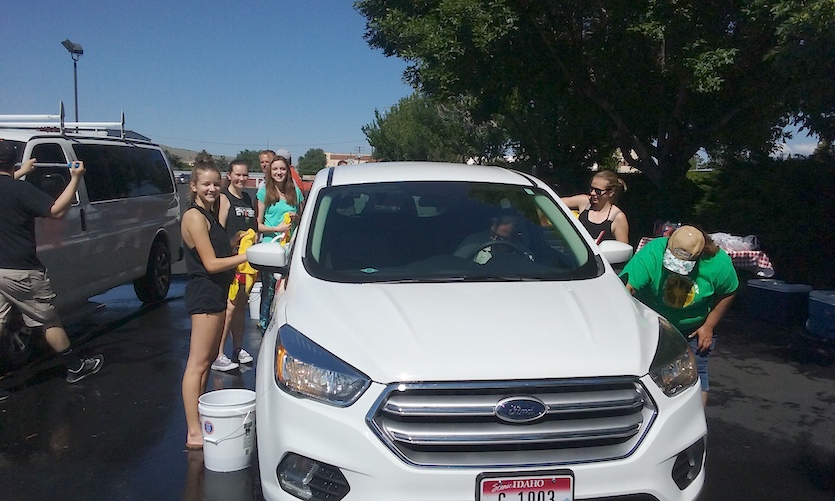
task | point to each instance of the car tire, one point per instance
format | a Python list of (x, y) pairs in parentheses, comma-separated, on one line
[(153, 286)]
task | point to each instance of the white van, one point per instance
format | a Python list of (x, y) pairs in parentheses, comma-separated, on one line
[(124, 225)]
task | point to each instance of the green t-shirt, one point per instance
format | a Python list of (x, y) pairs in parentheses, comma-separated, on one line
[(684, 300)]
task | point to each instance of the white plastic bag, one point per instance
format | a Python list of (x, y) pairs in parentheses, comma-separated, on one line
[(734, 242)]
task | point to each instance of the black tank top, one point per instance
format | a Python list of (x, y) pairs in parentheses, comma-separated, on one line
[(241, 215), (221, 245), (595, 229)]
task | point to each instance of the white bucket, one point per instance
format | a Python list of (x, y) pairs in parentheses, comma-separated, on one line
[(227, 418), (255, 301)]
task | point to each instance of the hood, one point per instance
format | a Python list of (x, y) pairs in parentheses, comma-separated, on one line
[(476, 331)]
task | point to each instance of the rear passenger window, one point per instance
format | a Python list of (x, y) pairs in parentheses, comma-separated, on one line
[(114, 171), (48, 153)]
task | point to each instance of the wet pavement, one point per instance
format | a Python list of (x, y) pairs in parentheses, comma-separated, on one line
[(119, 435)]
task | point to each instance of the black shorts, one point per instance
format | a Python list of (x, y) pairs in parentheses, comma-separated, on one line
[(204, 295)]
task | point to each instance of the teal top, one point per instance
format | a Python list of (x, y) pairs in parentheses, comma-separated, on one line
[(274, 213)]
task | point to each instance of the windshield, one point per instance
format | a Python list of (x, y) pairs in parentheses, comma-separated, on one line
[(443, 231)]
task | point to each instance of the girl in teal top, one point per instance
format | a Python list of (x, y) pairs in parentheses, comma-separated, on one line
[(278, 196)]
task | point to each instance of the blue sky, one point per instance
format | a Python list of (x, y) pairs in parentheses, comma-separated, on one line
[(220, 76)]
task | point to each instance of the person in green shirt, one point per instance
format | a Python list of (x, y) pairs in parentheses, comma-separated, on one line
[(690, 281)]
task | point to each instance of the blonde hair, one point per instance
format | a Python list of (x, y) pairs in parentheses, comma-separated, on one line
[(613, 182)]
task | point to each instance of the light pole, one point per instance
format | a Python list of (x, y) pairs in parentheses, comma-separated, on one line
[(75, 51)]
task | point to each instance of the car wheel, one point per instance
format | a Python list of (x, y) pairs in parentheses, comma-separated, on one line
[(153, 287)]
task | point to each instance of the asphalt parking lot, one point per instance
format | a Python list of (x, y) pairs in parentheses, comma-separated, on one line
[(120, 434)]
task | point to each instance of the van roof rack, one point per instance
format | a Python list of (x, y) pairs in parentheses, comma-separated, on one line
[(57, 122)]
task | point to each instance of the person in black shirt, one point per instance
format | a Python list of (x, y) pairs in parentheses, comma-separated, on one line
[(24, 283), (237, 215)]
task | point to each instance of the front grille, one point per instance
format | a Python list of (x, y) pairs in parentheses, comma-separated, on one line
[(455, 424)]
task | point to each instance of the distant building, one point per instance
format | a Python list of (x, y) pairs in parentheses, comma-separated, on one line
[(334, 158)]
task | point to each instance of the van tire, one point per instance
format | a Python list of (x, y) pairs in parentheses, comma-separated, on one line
[(153, 287)]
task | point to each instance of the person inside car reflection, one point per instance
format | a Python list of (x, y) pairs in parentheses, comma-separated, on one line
[(503, 237)]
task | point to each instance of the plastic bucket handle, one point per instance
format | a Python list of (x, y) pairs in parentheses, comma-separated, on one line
[(219, 440)]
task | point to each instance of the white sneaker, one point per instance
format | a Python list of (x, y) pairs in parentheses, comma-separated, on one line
[(223, 364), (244, 357)]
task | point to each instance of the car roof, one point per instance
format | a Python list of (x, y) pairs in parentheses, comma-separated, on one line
[(381, 172)]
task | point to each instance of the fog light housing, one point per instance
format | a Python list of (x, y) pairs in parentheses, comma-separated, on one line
[(312, 480), (688, 464)]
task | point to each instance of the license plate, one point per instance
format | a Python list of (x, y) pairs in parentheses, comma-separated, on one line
[(535, 486)]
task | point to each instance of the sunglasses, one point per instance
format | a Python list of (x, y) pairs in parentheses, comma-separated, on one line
[(597, 191)]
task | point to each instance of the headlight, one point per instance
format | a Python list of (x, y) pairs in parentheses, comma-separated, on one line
[(674, 367), (305, 369)]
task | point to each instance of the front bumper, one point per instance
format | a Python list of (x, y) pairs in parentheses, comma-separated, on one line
[(341, 437)]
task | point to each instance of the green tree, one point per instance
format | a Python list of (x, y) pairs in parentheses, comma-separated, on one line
[(573, 80), (418, 128), (204, 156), (221, 162), (176, 161), (312, 162), (251, 159)]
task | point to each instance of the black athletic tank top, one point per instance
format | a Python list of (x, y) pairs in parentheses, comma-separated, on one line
[(594, 229), (221, 245), (241, 215)]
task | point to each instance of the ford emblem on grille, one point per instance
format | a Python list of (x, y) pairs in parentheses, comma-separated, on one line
[(520, 409)]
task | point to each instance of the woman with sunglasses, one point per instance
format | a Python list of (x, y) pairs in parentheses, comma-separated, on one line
[(597, 210)]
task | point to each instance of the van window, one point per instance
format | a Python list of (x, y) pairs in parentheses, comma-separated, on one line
[(116, 171), (51, 180), (49, 153)]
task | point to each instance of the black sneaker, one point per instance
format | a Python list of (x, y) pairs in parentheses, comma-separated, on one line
[(4, 394), (88, 366)]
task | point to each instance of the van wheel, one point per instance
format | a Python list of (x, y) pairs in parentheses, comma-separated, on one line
[(153, 287)]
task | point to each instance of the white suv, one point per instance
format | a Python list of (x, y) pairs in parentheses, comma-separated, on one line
[(450, 332)]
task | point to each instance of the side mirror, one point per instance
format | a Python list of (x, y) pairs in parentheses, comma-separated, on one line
[(615, 252), (269, 257)]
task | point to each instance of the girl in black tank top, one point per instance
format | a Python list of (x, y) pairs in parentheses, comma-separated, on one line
[(210, 265), (237, 215), (241, 213), (604, 189)]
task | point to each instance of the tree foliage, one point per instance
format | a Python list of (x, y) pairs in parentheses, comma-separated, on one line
[(417, 128), (221, 162), (251, 159), (176, 161), (203, 156), (313, 161), (573, 80)]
